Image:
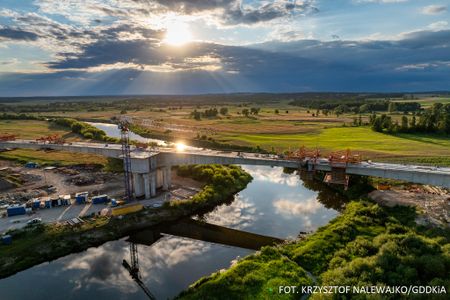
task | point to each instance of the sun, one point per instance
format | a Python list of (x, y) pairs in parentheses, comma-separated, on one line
[(180, 147), (178, 34)]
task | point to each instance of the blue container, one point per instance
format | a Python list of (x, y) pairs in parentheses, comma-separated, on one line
[(16, 210), (48, 203), (6, 239), (99, 199), (81, 198), (113, 202), (36, 204), (31, 165)]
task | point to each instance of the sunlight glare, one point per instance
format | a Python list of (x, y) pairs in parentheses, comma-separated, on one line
[(178, 34), (180, 147)]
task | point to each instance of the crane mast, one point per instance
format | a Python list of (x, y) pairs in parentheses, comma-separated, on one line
[(125, 141), (133, 269)]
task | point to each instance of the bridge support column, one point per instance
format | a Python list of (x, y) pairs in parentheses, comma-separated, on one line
[(153, 184), (138, 182), (150, 184), (166, 178)]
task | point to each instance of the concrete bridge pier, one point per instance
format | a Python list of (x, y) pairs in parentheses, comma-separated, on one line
[(167, 178), (138, 183), (150, 184)]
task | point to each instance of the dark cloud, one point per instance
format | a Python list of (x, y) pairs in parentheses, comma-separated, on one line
[(234, 12), (17, 34), (418, 62), (192, 6)]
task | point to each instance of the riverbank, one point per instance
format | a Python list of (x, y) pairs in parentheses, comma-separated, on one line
[(366, 245), (46, 242)]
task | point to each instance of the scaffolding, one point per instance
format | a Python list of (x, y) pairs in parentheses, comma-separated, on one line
[(339, 161), (126, 155), (7, 137), (51, 139)]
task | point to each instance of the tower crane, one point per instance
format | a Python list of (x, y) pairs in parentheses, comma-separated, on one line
[(133, 266)]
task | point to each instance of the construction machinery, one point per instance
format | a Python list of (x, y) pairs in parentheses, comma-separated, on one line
[(7, 137), (133, 266), (141, 146), (126, 155), (133, 269), (50, 139), (339, 161)]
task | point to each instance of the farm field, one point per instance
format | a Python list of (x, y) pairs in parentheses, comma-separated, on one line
[(31, 129), (52, 157), (277, 126)]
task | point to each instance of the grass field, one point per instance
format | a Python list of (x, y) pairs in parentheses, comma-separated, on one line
[(291, 128), (30, 129), (428, 101), (52, 157), (362, 139)]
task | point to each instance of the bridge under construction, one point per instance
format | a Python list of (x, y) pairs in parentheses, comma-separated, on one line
[(151, 167)]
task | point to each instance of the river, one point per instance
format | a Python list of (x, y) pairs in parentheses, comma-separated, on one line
[(274, 204)]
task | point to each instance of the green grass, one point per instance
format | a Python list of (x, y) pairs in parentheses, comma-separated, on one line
[(427, 102), (52, 157), (31, 129), (366, 245), (361, 139)]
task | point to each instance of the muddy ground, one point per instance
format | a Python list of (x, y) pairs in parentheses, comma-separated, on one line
[(19, 184), (433, 203)]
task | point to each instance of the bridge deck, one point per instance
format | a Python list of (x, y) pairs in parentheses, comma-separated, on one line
[(169, 157)]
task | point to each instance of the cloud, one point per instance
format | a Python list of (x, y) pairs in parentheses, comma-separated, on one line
[(304, 65), (434, 9), (438, 25), (293, 208), (380, 1), (8, 33)]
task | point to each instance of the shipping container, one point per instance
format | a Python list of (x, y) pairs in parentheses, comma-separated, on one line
[(81, 198), (54, 202), (99, 199), (16, 210), (7, 239), (65, 199), (127, 209), (36, 203)]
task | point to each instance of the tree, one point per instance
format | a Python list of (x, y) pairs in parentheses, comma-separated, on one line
[(277, 111), (404, 127), (196, 115), (376, 125), (392, 107), (224, 111), (245, 112), (412, 124), (254, 110)]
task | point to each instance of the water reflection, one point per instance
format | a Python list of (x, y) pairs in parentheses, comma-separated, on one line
[(274, 204)]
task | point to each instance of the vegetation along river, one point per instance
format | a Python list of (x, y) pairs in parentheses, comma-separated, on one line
[(274, 204)]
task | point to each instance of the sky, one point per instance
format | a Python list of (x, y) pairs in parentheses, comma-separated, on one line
[(128, 47)]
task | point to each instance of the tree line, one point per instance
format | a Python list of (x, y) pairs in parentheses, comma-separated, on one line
[(433, 120)]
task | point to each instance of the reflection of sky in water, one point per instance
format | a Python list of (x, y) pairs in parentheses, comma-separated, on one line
[(274, 204)]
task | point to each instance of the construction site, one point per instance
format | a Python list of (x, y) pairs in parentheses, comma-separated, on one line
[(60, 194)]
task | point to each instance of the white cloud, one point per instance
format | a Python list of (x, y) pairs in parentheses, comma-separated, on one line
[(434, 9), (294, 208), (380, 1), (438, 25)]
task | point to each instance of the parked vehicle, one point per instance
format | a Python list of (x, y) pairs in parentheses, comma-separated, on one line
[(34, 221)]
